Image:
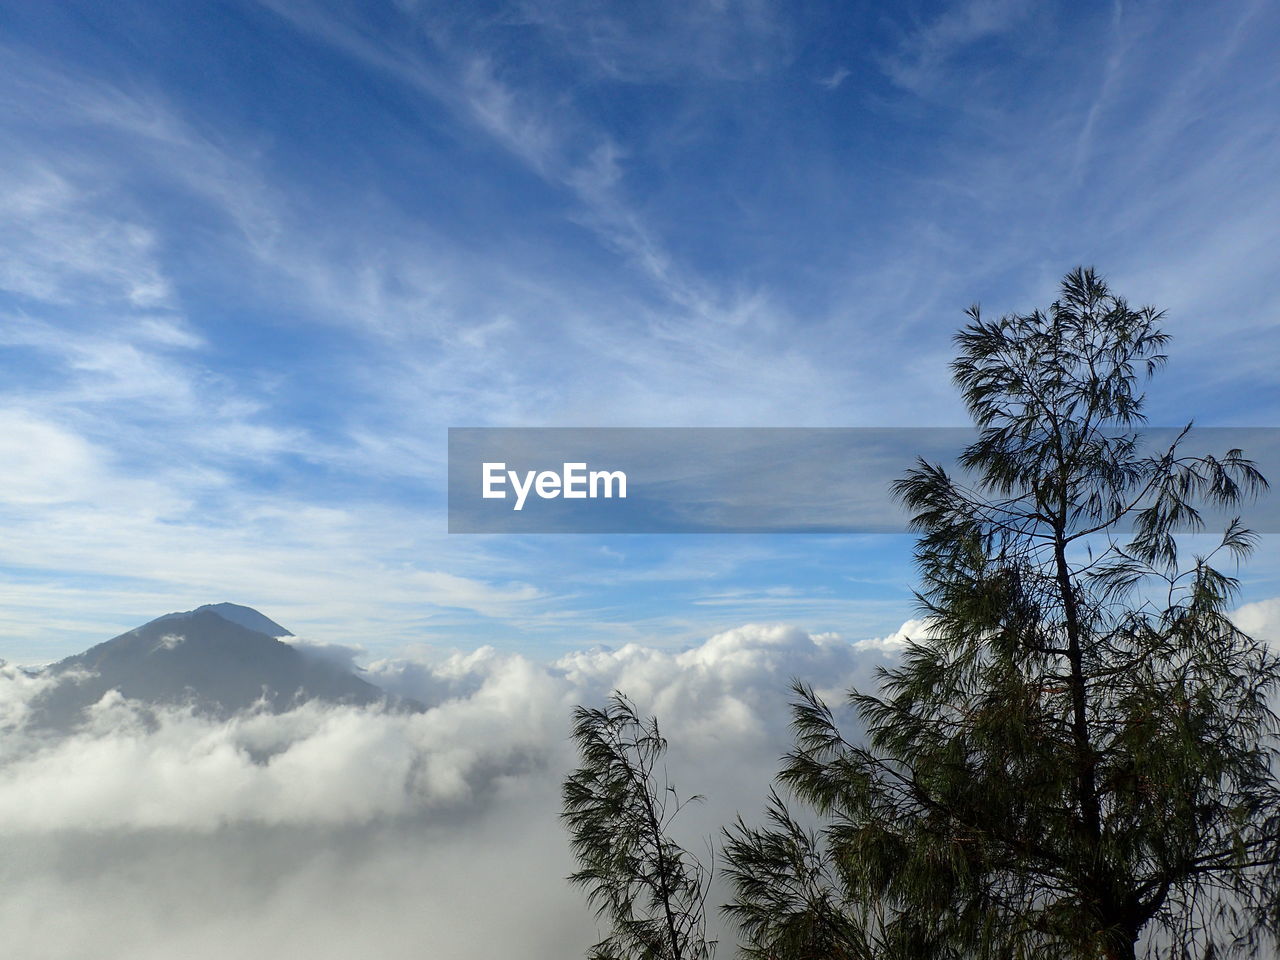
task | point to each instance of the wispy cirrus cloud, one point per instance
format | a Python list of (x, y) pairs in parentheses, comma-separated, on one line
[(253, 305), (924, 56)]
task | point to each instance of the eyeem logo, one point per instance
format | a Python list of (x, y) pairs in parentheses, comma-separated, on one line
[(574, 482)]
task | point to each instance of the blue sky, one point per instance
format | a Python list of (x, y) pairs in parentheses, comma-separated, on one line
[(258, 257)]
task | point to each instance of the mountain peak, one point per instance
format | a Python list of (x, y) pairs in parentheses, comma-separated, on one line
[(241, 616)]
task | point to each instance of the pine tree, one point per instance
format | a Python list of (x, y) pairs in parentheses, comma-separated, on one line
[(618, 808), (1079, 759)]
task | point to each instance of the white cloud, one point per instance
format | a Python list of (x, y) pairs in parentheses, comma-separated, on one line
[(1260, 620), (836, 77), (18, 687), (341, 832), (331, 832), (58, 248), (491, 716), (418, 888), (924, 53), (43, 463), (665, 42), (913, 630)]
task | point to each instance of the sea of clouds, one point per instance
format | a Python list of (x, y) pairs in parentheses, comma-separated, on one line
[(338, 832), (333, 831)]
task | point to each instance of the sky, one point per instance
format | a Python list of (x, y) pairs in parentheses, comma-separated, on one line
[(257, 258)]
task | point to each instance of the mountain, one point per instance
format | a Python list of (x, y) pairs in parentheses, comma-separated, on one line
[(219, 658), (246, 617)]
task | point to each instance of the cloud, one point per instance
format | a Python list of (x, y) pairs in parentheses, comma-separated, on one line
[(330, 832), (18, 688), (43, 462), (58, 248), (256, 335), (1260, 620), (246, 399), (926, 50), (397, 892), (491, 716), (324, 830), (836, 77), (665, 42), (516, 124)]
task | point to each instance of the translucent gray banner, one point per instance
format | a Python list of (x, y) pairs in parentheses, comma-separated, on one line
[(737, 480)]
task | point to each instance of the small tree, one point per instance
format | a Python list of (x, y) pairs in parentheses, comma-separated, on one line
[(618, 812), (1080, 755)]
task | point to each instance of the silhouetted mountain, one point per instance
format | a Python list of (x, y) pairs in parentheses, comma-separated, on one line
[(219, 658)]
